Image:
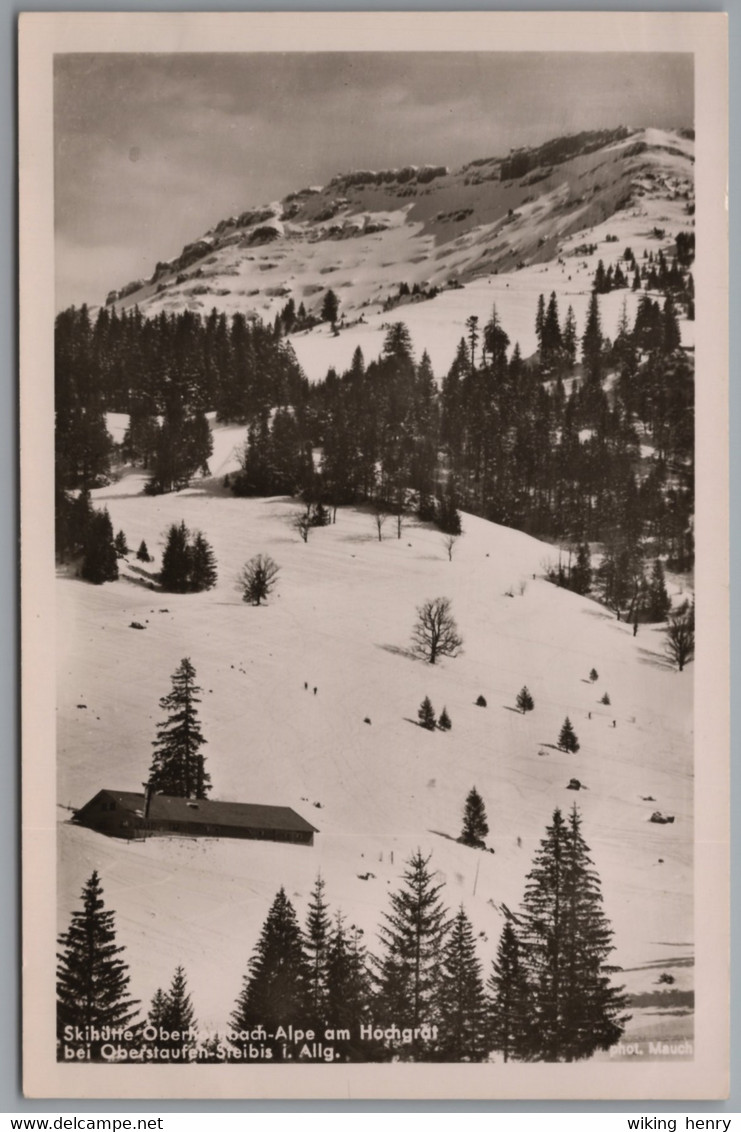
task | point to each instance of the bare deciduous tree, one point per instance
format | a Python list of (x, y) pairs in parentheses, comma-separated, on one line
[(680, 636), (380, 515), (449, 542), (301, 522), (257, 578), (436, 633)]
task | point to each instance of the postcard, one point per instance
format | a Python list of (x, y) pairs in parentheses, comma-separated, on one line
[(374, 544)]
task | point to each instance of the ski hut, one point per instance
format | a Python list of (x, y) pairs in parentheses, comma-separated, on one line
[(120, 813)]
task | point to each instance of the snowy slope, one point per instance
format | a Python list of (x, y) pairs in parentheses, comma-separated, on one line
[(341, 620), (503, 240)]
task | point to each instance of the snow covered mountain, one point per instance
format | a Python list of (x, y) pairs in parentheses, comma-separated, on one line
[(545, 214)]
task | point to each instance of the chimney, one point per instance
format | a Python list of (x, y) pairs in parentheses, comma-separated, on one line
[(147, 797)]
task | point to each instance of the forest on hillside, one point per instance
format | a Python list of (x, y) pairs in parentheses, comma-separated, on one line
[(589, 441)]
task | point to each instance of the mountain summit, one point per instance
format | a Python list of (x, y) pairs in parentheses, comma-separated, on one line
[(369, 232)]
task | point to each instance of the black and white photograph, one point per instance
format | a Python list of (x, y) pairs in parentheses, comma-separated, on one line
[(373, 457)]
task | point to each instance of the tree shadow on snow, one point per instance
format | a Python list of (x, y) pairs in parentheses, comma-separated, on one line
[(439, 833), (600, 614), (141, 583), (396, 650), (362, 538), (151, 576), (516, 710), (656, 660)]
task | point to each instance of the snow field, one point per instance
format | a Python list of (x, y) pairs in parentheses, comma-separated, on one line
[(341, 620)]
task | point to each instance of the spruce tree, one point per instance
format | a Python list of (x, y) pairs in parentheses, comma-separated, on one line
[(444, 721), (178, 767), (316, 945), (330, 307), (142, 553), (461, 1001), (580, 577), (567, 939), (525, 701), (569, 336), (175, 572), (179, 1017), (99, 563), (475, 825), (120, 544), (592, 341), (510, 1000), (156, 1017), (92, 979), (659, 600), (567, 740), (348, 990), (274, 989), (408, 975), (202, 574), (426, 714)]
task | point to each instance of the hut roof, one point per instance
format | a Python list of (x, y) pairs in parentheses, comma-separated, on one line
[(164, 807)]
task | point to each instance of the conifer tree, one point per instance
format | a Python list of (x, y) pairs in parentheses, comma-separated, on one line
[(461, 1001), (348, 989), (567, 740), (567, 939), (175, 572), (444, 721), (120, 544), (274, 989), (172, 1018), (475, 824), (510, 1021), (580, 577), (92, 978), (99, 563), (569, 337), (202, 573), (408, 975), (540, 321), (659, 600), (179, 1017), (525, 701), (156, 1016), (592, 341), (178, 767), (316, 947), (426, 715), (142, 553), (330, 307)]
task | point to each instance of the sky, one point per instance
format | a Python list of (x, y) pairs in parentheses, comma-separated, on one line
[(153, 150)]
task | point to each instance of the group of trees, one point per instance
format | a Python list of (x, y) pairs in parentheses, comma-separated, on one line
[(166, 373), (427, 719), (549, 995), (501, 437), (188, 563)]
